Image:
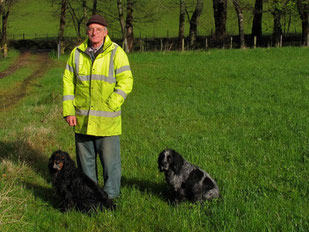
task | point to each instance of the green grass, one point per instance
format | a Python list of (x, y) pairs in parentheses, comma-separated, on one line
[(5, 63), (242, 115), (39, 19)]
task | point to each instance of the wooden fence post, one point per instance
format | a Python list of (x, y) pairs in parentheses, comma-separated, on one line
[(254, 42), (140, 42), (182, 44), (58, 49)]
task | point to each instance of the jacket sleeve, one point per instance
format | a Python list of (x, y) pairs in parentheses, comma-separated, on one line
[(69, 87), (124, 80)]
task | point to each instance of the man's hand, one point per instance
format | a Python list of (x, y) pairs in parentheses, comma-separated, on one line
[(71, 120)]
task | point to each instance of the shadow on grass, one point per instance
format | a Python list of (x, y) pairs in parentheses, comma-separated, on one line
[(161, 190), (21, 152)]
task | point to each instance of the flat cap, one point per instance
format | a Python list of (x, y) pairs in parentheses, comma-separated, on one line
[(97, 19)]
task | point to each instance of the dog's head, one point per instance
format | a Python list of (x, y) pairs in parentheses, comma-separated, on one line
[(58, 161), (170, 159)]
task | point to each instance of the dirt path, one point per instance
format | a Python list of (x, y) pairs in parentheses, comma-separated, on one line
[(38, 61)]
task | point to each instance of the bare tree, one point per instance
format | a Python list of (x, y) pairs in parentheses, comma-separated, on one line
[(303, 9), (281, 9), (181, 32), (94, 7), (194, 22), (122, 25), (78, 11), (129, 25), (240, 18), (62, 24), (257, 19), (5, 6), (277, 12), (220, 15)]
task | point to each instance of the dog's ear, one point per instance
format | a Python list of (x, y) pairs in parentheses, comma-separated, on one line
[(178, 162), (68, 162), (160, 159), (51, 162), (50, 165)]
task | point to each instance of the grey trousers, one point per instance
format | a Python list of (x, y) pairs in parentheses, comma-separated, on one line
[(108, 150)]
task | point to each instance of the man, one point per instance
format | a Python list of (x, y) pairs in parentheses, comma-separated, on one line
[(96, 81)]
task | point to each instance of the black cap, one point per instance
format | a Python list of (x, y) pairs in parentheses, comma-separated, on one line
[(97, 19)]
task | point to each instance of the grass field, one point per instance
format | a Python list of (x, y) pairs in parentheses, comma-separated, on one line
[(39, 19), (241, 115)]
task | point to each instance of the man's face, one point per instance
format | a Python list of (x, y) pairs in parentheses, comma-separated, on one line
[(96, 34)]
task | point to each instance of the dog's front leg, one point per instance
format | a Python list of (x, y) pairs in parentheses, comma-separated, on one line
[(67, 198), (179, 195), (68, 204)]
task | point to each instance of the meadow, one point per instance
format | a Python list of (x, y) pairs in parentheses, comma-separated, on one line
[(38, 19), (241, 115)]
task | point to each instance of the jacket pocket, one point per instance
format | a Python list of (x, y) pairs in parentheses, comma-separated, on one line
[(81, 99)]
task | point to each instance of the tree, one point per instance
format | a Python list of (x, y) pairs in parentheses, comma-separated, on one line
[(280, 9), (220, 15), (5, 6), (94, 7), (122, 25), (181, 31), (240, 18), (303, 9), (257, 19), (277, 12), (63, 9), (79, 12), (129, 25), (194, 22)]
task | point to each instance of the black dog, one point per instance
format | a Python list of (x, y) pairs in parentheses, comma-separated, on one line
[(188, 181), (76, 189)]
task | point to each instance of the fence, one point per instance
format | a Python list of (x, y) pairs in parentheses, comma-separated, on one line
[(48, 41)]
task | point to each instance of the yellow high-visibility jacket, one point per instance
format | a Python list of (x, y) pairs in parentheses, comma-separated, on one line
[(95, 90)]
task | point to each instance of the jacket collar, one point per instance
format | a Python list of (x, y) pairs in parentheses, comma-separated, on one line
[(108, 45)]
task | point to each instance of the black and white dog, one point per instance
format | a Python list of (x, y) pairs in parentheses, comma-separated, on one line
[(188, 181)]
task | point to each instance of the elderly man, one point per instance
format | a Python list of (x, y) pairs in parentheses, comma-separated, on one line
[(96, 81)]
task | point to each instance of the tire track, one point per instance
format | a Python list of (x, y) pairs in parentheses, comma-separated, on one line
[(38, 61)]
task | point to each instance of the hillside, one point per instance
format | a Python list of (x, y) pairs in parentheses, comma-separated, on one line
[(38, 19)]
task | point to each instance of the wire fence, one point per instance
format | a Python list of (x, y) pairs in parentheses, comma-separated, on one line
[(141, 44)]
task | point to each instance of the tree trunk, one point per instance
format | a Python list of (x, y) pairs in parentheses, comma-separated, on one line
[(194, 22), (240, 18), (94, 7), (62, 25), (129, 25), (220, 15), (303, 10), (257, 20), (181, 32), (277, 24), (122, 25), (85, 11), (3, 42), (5, 11)]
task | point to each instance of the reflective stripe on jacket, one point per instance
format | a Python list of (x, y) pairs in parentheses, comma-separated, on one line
[(95, 90)]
